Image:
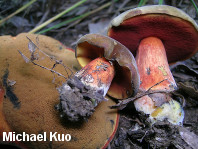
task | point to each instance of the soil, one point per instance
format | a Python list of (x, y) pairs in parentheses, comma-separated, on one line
[(134, 129), (75, 100)]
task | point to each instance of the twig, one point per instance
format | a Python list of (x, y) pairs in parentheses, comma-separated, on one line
[(32, 47), (57, 16), (60, 24), (3, 11), (155, 85), (135, 120), (120, 7), (38, 47), (52, 58), (63, 30), (122, 104), (53, 71), (140, 140), (44, 17), (18, 11), (46, 12)]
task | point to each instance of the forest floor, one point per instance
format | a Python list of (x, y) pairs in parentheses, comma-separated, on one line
[(133, 131)]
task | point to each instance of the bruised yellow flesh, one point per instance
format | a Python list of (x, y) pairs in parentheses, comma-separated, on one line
[(38, 96), (172, 111)]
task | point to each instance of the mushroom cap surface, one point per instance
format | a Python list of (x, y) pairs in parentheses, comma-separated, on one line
[(34, 111), (177, 30), (126, 81)]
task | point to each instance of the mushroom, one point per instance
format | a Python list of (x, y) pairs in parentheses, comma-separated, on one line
[(157, 35), (107, 66), (125, 83), (4, 126), (29, 107)]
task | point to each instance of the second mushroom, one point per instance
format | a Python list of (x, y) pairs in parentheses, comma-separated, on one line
[(157, 35), (108, 66)]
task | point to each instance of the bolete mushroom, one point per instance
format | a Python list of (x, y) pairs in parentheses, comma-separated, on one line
[(125, 82), (29, 103), (157, 35), (107, 66)]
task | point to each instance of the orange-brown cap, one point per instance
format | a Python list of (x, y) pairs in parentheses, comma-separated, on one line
[(126, 81), (37, 96), (177, 30)]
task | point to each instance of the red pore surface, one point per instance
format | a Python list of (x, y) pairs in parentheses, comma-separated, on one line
[(179, 37)]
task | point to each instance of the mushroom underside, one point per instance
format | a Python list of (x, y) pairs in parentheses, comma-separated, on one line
[(177, 35), (126, 80)]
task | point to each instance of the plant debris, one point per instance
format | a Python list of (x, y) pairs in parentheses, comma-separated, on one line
[(9, 90), (134, 130)]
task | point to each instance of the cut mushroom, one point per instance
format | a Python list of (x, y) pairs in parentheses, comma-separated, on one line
[(108, 66), (98, 74), (29, 103), (156, 35), (126, 80)]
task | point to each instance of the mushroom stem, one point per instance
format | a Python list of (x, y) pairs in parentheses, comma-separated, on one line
[(98, 75), (88, 87), (153, 67)]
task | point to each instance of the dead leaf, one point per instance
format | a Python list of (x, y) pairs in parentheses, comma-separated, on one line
[(100, 27), (181, 66), (189, 90), (189, 137), (31, 46), (19, 21), (27, 60)]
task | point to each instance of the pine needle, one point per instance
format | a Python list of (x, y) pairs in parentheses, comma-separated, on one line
[(76, 18), (142, 3), (160, 2), (18, 11), (57, 16), (194, 4)]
